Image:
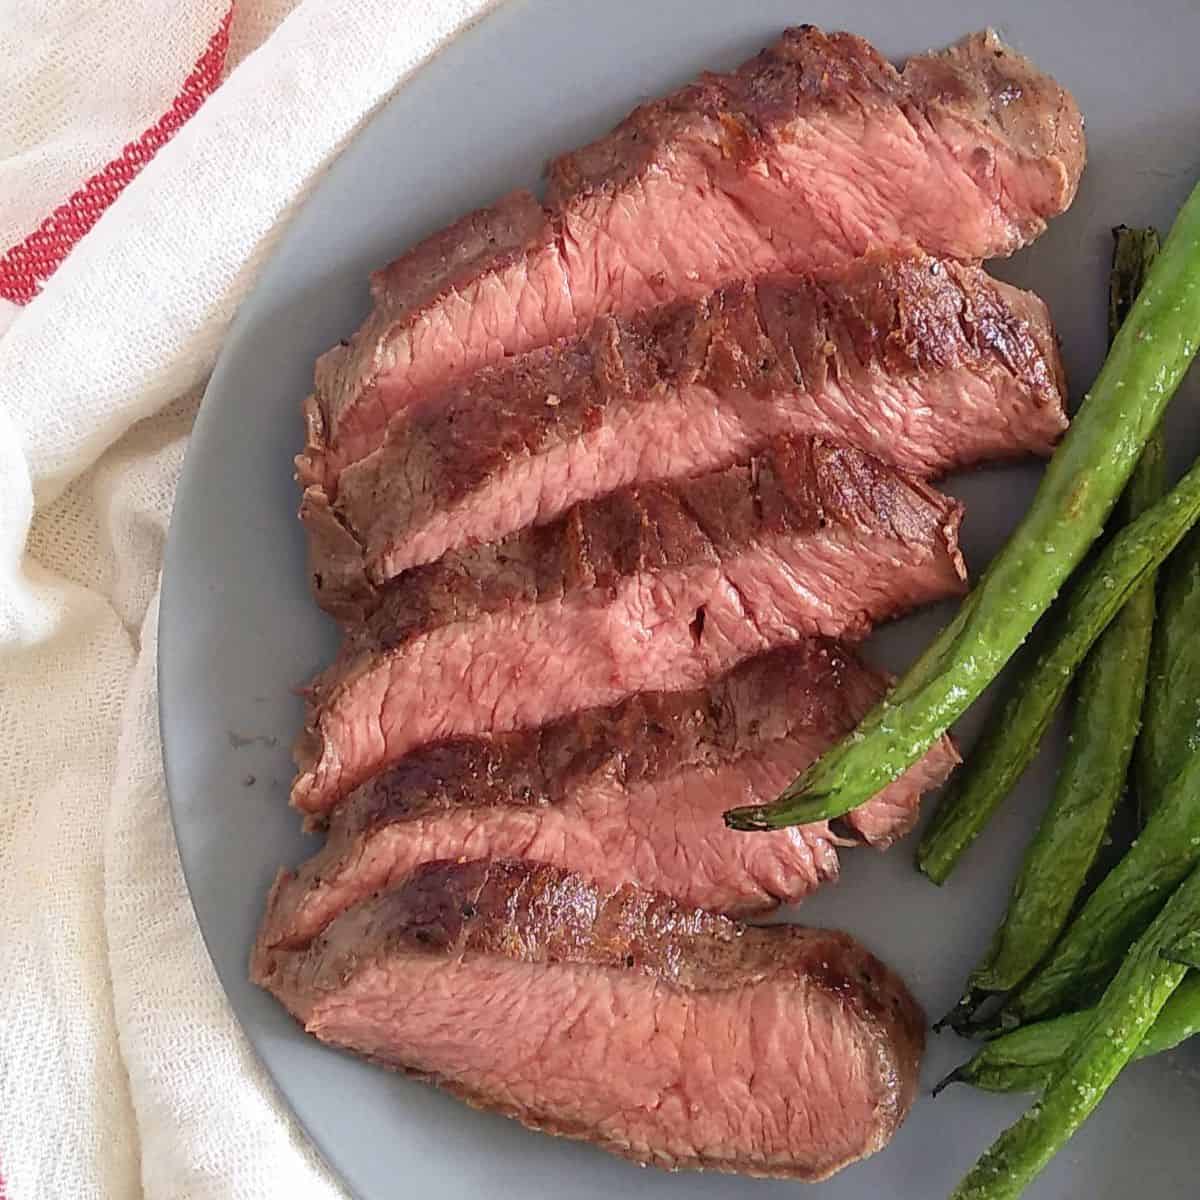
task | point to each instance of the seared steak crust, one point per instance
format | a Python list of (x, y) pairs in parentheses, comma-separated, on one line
[(652, 588), (928, 365), (812, 154), (1019, 118), (632, 793), (669, 1035), (796, 487)]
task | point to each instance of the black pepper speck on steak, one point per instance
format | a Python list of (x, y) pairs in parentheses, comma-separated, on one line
[(665, 1034), (658, 587)]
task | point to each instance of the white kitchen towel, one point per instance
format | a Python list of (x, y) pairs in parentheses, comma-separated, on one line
[(122, 1073)]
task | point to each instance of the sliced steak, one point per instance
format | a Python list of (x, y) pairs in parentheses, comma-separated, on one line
[(665, 1034), (928, 365), (656, 587), (628, 794), (813, 153)]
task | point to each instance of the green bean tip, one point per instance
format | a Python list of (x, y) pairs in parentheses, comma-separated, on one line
[(958, 1075), (751, 819)]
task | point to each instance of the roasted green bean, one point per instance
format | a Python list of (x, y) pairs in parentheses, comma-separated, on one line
[(1120, 908), (1094, 598), (1024, 1060), (1171, 716), (1128, 1009), (1104, 726), (1186, 950)]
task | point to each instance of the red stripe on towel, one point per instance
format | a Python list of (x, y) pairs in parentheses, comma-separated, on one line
[(29, 264)]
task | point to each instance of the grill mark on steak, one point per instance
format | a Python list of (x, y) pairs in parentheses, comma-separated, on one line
[(633, 793), (817, 140), (810, 538), (528, 990), (927, 365)]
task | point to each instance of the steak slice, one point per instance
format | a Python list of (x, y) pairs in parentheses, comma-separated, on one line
[(656, 587), (628, 794), (664, 1034), (928, 365), (811, 154)]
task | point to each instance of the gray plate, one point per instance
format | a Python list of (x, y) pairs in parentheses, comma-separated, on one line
[(238, 629)]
